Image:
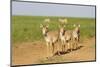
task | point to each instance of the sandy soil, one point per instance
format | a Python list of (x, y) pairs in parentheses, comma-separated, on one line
[(35, 53)]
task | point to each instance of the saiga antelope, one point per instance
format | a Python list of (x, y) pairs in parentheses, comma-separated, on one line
[(63, 21), (47, 20), (65, 37), (51, 37), (76, 36)]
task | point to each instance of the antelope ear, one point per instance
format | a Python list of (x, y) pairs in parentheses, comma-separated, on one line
[(41, 25), (79, 25), (47, 25), (74, 25)]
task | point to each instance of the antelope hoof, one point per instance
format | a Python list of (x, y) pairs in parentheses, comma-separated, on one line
[(58, 53)]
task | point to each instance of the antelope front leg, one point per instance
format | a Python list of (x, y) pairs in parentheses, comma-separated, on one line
[(68, 46), (47, 50), (53, 47), (58, 49), (71, 46), (74, 44), (62, 46), (77, 44)]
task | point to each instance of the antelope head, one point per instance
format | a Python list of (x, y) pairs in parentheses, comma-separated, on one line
[(44, 29), (62, 30), (76, 27)]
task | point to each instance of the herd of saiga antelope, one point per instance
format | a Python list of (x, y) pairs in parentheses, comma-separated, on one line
[(69, 38)]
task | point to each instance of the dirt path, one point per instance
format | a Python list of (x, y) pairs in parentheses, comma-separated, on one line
[(35, 52)]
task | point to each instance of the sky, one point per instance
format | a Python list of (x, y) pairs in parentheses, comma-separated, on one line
[(45, 9)]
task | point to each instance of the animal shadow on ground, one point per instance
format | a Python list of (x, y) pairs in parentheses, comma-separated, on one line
[(78, 48), (68, 51)]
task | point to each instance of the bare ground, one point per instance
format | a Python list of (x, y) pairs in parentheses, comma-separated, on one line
[(35, 53)]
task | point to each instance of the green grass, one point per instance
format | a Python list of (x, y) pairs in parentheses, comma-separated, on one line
[(27, 28)]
